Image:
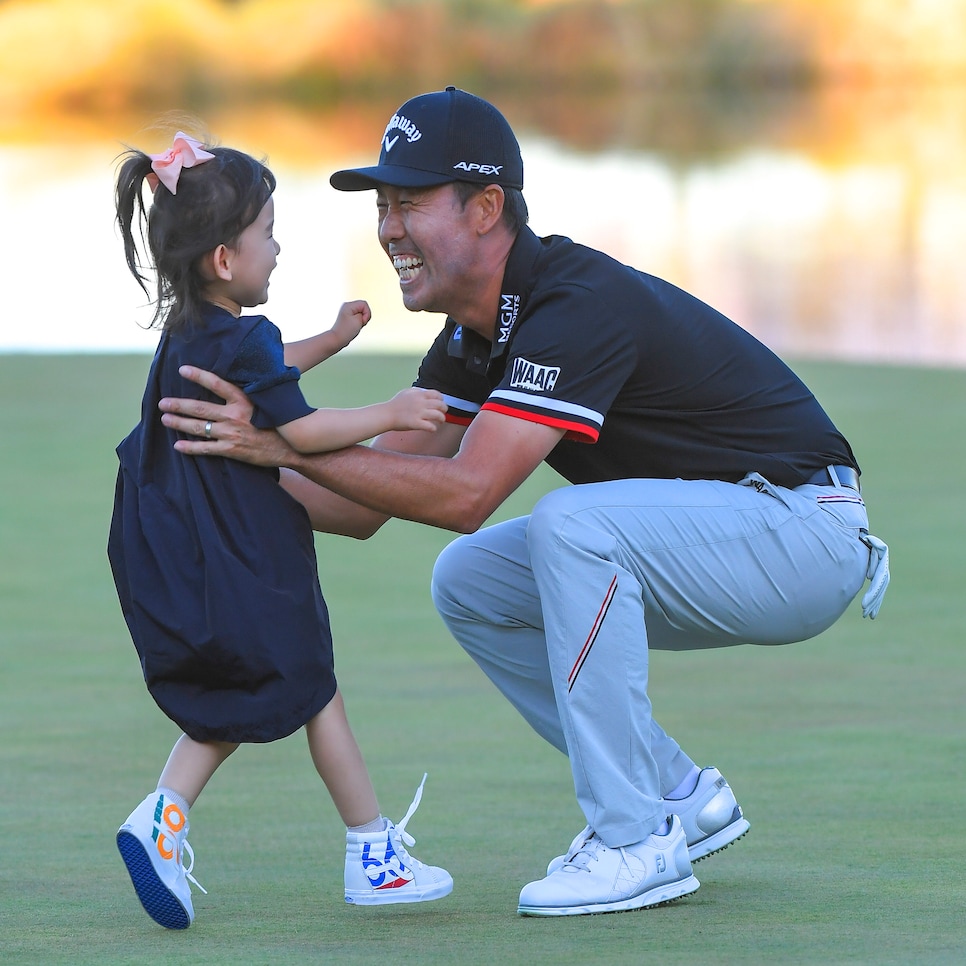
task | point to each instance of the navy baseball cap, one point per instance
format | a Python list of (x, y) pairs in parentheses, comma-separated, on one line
[(437, 138)]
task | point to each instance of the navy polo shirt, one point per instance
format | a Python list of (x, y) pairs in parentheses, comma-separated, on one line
[(659, 384)]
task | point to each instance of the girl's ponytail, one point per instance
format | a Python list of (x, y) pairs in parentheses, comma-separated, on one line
[(128, 198)]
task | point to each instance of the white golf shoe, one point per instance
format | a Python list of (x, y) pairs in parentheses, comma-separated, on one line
[(593, 878), (711, 817)]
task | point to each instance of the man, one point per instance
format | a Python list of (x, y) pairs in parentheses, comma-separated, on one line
[(713, 501)]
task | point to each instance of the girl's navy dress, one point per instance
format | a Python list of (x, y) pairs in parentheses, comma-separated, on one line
[(214, 562)]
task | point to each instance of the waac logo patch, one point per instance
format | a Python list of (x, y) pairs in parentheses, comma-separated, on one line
[(532, 377)]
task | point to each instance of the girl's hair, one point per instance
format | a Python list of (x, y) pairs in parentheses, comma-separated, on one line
[(215, 202)]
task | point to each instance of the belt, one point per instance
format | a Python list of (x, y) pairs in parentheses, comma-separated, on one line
[(836, 476)]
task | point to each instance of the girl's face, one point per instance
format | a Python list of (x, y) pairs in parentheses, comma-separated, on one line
[(249, 264)]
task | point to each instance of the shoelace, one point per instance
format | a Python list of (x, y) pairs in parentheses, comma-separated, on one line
[(398, 831), (580, 855), (187, 869)]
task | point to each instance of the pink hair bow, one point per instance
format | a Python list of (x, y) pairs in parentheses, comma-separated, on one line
[(185, 152)]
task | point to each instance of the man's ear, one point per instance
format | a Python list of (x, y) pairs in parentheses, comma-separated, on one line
[(490, 207), (216, 264)]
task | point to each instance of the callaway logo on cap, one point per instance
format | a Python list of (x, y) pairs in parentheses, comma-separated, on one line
[(441, 137)]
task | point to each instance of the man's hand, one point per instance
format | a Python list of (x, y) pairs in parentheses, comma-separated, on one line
[(225, 430)]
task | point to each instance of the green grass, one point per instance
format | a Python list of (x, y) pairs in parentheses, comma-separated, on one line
[(846, 752)]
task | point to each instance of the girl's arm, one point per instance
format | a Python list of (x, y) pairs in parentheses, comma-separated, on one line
[(329, 429), (350, 321)]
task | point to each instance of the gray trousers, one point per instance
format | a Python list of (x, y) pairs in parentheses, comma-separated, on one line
[(560, 608)]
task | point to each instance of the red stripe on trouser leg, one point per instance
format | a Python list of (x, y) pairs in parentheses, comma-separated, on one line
[(594, 631)]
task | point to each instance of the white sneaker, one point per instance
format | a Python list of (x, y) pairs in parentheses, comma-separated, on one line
[(594, 878), (711, 817), (151, 843), (379, 870)]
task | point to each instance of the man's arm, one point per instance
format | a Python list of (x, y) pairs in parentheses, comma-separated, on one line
[(496, 455), (328, 512), (415, 476), (331, 513)]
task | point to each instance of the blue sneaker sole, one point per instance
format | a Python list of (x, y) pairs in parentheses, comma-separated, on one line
[(158, 900)]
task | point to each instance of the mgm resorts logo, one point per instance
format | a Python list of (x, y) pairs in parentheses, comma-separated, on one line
[(528, 375), (509, 307)]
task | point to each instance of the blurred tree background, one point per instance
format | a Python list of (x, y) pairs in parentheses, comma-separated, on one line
[(801, 163), (571, 67)]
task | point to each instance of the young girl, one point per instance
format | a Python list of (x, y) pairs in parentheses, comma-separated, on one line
[(214, 562)]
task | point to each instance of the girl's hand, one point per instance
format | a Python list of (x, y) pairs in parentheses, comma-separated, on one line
[(351, 320), (417, 409)]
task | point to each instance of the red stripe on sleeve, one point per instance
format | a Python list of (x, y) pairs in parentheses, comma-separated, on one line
[(579, 432), (459, 420)]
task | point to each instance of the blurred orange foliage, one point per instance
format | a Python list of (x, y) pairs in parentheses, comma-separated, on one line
[(567, 63)]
